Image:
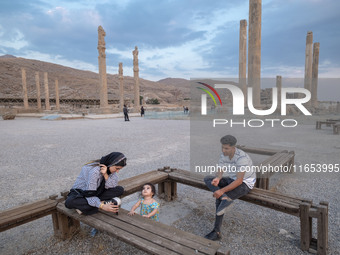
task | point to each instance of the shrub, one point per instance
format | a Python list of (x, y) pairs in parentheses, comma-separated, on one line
[(152, 101)]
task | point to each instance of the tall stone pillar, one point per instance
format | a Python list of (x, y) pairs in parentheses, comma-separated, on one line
[(57, 101), (121, 86), (279, 87), (47, 93), (242, 66), (254, 50), (309, 64), (37, 84), (136, 77), (102, 68), (315, 74), (24, 87)]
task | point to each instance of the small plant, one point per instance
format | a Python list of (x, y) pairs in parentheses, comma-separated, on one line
[(152, 101)]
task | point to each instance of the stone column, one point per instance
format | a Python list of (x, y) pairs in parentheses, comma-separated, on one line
[(254, 50), (24, 87), (121, 86), (37, 84), (136, 77), (57, 103), (309, 64), (47, 94), (279, 87), (242, 66), (315, 74), (102, 68)]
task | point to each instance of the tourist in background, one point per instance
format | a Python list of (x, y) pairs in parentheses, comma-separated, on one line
[(142, 111), (126, 113)]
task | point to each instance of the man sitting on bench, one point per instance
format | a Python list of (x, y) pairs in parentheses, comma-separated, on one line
[(241, 179)]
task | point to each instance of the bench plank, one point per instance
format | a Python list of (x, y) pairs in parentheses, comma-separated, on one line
[(166, 237), (280, 203), (134, 184), (261, 151), (122, 235), (25, 213), (145, 234), (185, 238)]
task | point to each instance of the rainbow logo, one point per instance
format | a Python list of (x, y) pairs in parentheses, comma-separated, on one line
[(209, 93)]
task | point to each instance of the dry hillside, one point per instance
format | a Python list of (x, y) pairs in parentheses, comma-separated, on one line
[(74, 83)]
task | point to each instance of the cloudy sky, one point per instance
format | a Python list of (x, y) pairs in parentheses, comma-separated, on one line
[(176, 38)]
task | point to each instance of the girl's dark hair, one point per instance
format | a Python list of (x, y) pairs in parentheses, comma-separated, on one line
[(153, 189), (121, 163)]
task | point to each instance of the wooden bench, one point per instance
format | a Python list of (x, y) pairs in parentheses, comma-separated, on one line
[(165, 239), (279, 160), (134, 184), (336, 129), (328, 123), (337, 120), (22, 214), (145, 234), (152, 237), (302, 208)]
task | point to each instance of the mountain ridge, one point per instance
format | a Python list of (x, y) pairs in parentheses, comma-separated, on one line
[(82, 84)]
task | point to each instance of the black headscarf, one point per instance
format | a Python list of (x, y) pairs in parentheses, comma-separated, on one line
[(112, 159)]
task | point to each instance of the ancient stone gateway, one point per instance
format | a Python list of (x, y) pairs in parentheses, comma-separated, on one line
[(315, 74), (47, 93), (136, 77), (308, 63), (121, 86), (102, 68), (254, 50), (57, 104), (279, 87), (242, 71), (37, 84), (24, 87)]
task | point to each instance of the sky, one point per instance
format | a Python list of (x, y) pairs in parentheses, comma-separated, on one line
[(176, 38)]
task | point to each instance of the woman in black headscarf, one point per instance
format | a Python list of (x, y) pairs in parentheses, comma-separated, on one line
[(96, 185)]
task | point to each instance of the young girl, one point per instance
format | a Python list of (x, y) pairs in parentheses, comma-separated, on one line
[(148, 205)]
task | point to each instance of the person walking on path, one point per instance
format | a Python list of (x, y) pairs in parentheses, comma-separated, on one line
[(142, 111), (126, 113)]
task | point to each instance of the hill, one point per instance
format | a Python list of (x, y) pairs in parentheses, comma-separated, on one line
[(79, 84)]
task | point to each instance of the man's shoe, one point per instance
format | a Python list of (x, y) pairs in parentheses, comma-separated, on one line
[(223, 207), (214, 236)]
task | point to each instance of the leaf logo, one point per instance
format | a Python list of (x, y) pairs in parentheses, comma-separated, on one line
[(209, 93)]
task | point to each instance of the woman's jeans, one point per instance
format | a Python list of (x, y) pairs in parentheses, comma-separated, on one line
[(238, 192)]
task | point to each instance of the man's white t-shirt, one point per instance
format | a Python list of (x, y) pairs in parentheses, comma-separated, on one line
[(240, 162)]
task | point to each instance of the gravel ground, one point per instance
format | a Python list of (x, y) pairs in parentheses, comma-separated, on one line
[(40, 158)]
